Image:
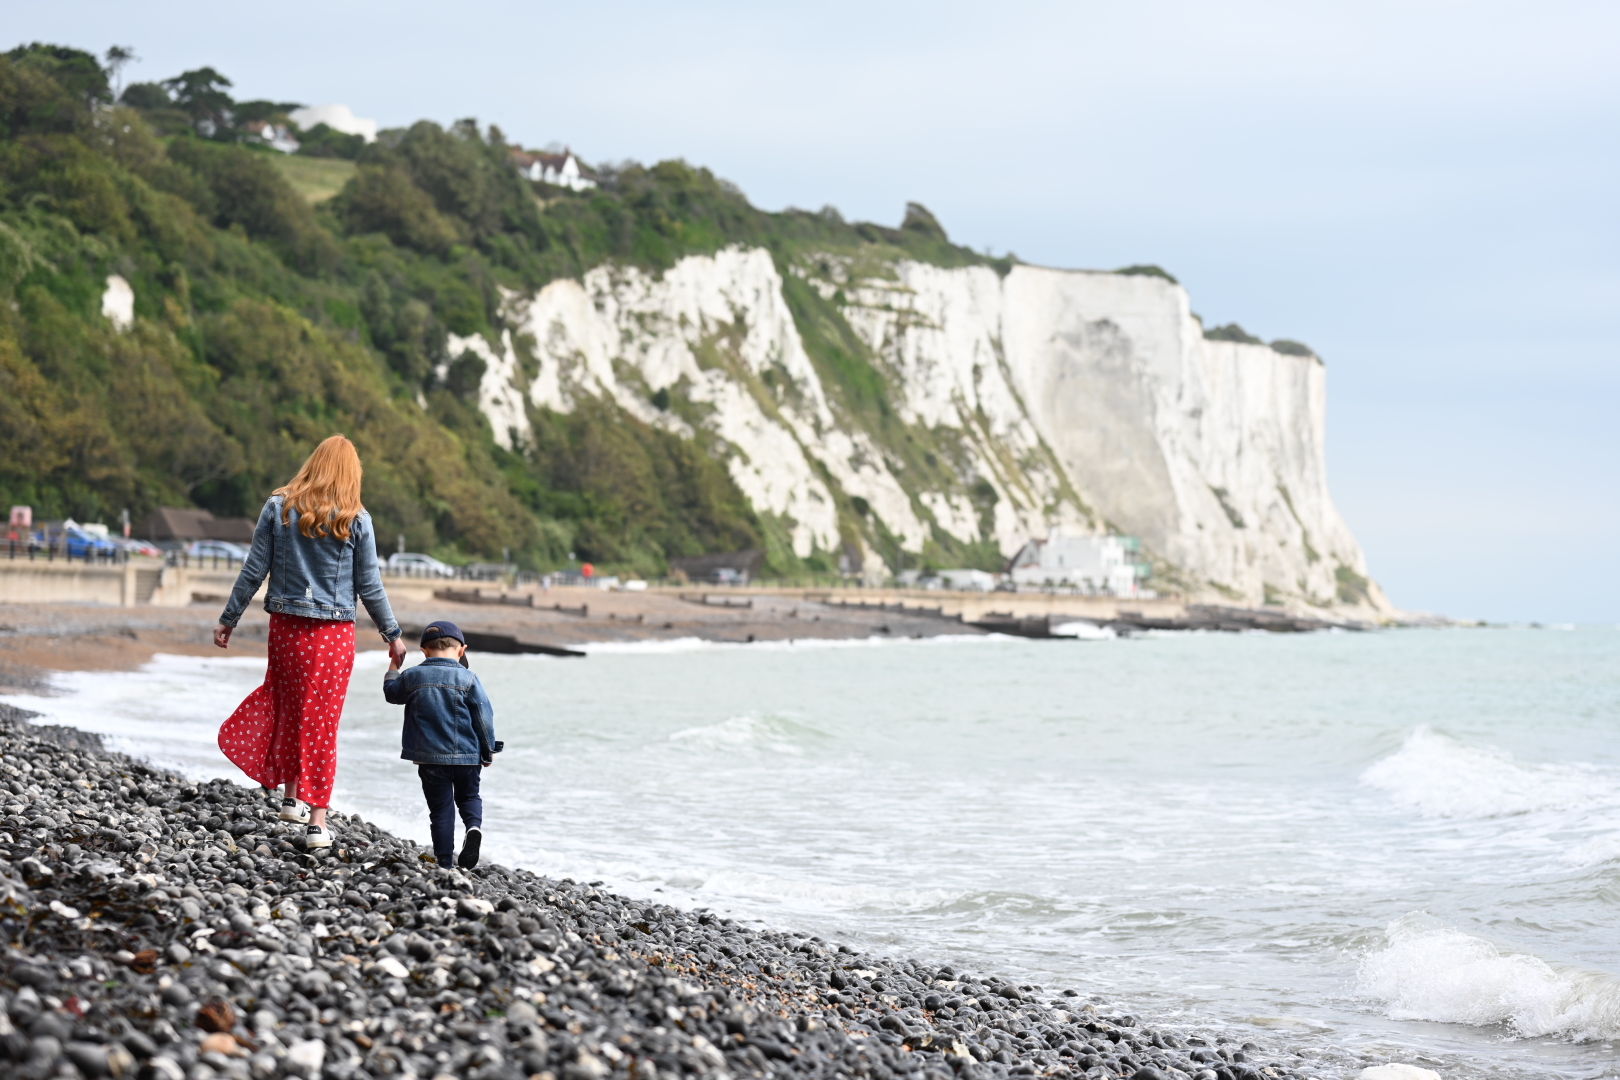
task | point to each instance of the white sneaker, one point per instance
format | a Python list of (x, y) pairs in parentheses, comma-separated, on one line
[(317, 836), (295, 811)]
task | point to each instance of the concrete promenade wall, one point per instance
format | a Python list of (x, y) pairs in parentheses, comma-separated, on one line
[(140, 582), (130, 584)]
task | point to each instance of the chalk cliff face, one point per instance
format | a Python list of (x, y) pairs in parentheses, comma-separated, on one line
[(1008, 404)]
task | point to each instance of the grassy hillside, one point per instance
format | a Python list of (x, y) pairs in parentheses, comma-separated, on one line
[(316, 179), (280, 299)]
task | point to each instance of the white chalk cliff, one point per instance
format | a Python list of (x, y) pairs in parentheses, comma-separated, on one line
[(1085, 399)]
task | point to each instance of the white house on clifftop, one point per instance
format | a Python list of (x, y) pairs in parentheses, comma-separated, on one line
[(560, 170)]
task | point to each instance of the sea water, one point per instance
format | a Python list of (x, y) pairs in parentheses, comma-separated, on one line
[(1403, 844)]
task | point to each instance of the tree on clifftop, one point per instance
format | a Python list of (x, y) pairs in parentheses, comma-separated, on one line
[(200, 94)]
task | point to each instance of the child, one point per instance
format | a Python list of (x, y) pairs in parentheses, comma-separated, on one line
[(449, 733)]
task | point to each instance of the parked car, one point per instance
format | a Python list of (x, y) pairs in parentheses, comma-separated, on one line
[(216, 549), (87, 545), (139, 547), (415, 564)]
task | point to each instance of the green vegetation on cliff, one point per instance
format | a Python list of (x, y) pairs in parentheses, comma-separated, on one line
[(278, 300)]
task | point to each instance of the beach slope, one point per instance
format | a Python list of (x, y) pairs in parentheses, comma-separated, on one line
[(178, 931)]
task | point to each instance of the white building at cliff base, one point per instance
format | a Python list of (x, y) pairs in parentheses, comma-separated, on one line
[(1094, 564)]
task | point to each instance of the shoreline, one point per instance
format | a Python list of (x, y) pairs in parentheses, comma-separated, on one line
[(141, 902), (37, 638), (40, 635)]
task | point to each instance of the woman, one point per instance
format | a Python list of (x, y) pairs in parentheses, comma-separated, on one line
[(315, 541)]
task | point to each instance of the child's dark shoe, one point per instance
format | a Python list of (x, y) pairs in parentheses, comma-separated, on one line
[(469, 848)]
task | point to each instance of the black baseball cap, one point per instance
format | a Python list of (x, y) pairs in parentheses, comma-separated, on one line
[(445, 628), (442, 628)]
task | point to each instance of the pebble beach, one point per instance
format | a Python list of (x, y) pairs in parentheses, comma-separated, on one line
[(170, 930)]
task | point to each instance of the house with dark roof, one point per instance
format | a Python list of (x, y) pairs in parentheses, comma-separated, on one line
[(185, 523), (559, 170)]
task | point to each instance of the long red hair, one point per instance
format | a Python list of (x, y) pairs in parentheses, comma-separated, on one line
[(326, 491)]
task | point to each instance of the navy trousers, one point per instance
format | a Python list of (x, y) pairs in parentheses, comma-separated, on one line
[(449, 788)]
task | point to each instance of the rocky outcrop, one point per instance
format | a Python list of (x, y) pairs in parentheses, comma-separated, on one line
[(867, 403)]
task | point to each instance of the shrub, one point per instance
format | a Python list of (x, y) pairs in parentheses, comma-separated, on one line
[(1148, 270), (324, 141), (247, 191), (146, 95), (1353, 588), (1232, 332), (1292, 348), (384, 200), (920, 221), (50, 89)]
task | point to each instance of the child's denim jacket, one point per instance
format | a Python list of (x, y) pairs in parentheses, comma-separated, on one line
[(448, 717)]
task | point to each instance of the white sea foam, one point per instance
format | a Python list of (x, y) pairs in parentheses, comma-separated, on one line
[(1428, 972), (1596, 851), (726, 887), (1439, 776), (1086, 631), (770, 734), (169, 710), (805, 893)]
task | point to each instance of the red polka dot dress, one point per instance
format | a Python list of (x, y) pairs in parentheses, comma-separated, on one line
[(287, 728)]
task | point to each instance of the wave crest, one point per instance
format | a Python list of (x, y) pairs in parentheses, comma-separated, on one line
[(1446, 976), (1439, 776), (770, 735)]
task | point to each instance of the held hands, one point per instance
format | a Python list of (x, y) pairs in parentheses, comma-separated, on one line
[(222, 635)]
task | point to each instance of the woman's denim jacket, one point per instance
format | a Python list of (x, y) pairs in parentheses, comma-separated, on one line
[(448, 717), (316, 577)]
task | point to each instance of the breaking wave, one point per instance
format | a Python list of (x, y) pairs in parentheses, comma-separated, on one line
[(1433, 973), (769, 734), (1439, 776)]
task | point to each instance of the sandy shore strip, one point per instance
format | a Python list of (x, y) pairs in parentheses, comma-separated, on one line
[(39, 638), (177, 931)]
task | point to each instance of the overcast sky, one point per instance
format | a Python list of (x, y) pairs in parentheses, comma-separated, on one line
[(1423, 192)]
